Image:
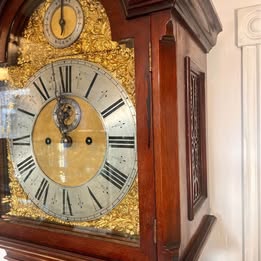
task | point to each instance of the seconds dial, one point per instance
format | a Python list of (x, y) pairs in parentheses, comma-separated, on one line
[(63, 22)]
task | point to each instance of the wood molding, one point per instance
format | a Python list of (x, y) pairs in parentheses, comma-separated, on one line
[(168, 186), (197, 242), (139, 30), (4, 178), (202, 21), (165, 132), (2, 4), (195, 137), (135, 8), (17, 250), (158, 121), (199, 17)]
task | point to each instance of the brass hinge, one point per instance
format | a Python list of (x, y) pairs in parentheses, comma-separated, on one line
[(155, 231), (150, 59)]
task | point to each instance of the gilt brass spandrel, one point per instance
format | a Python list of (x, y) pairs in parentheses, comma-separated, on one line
[(94, 45)]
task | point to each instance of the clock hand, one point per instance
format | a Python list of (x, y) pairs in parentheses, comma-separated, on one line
[(62, 20), (62, 113), (58, 98)]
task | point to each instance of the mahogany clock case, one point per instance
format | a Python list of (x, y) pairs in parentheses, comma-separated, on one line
[(163, 33)]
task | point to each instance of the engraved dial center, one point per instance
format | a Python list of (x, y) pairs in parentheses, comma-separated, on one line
[(68, 166)]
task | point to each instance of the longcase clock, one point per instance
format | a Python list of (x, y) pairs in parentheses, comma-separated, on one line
[(103, 152)]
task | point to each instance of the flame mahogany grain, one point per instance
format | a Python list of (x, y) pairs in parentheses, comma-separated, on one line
[(164, 33)]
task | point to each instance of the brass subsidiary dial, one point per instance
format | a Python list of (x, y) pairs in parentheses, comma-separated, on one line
[(63, 22)]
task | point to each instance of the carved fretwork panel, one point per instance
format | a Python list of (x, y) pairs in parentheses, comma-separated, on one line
[(196, 137)]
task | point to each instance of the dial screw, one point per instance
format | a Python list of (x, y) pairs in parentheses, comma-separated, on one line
[(66, 141), (48, 141), (88, 140)]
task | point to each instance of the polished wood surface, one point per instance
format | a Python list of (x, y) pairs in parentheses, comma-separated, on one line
[(13, 17), (135, 8), (195, 136), (91, 245), (166, 136), (186, 46), (201, 19), (199, 239), (164, 33), (17, 250)]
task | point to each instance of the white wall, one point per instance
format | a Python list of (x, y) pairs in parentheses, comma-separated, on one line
[(224, 123)]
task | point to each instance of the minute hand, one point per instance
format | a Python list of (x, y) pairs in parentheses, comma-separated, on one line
[(62, 20), (58, 97)]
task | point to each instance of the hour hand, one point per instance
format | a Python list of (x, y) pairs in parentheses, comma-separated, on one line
[(62, 20), (62, 25)]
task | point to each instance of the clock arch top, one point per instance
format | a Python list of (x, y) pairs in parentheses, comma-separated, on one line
[(14, 16)]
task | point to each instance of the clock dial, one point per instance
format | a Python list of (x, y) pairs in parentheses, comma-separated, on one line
[(63, 22), (75, 151)]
